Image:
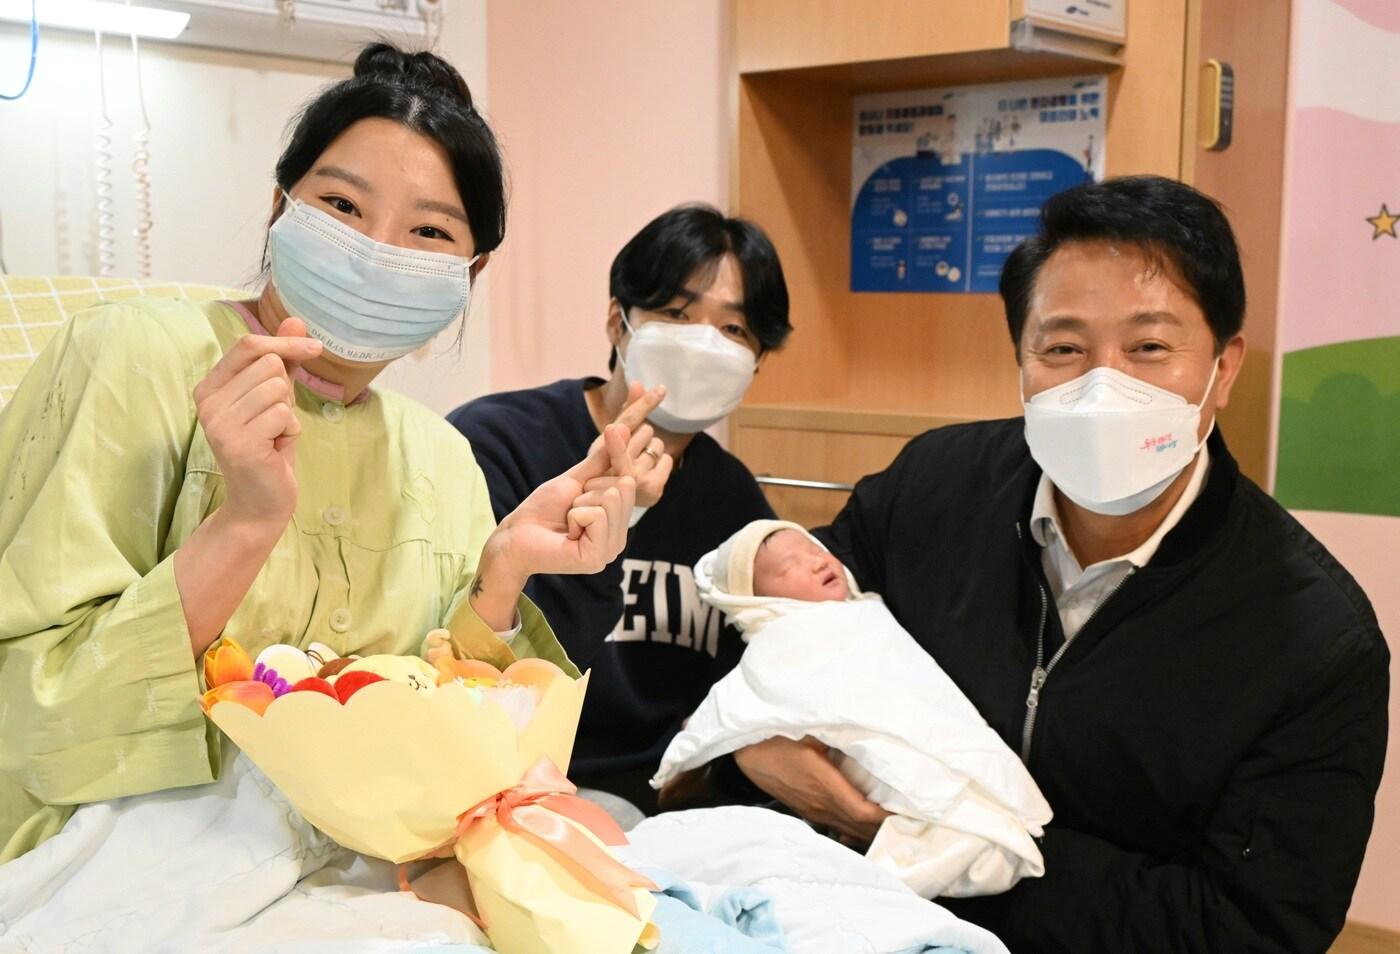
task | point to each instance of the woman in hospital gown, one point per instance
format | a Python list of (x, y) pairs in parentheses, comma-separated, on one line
[(176, 471)]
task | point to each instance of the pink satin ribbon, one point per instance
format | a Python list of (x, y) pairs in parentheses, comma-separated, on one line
[(533, 809)]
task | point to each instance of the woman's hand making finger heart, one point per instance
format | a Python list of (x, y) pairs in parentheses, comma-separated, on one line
[(247, 408)]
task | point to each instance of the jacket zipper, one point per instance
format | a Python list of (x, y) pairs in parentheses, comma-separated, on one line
[(1041, 672), (1038, 676)]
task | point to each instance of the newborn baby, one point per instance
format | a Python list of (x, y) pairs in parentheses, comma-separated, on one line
[(828, 661), (793, 565)]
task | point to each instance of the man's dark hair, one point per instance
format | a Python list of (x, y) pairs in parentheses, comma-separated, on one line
[(654, 266), (1176, 227)]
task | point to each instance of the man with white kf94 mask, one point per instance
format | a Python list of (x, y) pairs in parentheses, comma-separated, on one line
[(1196, 685), (696, 300)]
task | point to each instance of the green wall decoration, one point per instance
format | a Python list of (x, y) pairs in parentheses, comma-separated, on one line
[(1339, 428)]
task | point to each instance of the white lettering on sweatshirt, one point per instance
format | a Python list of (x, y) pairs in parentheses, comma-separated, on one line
[(646, 608)]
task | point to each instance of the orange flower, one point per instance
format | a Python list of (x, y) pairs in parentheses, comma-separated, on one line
[(255, 695), (535, 673), (227, 662), (450, 669)]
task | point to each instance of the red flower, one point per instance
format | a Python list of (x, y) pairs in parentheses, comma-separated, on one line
[(315, 684), (349, 683)]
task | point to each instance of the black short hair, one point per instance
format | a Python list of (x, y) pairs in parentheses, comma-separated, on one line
[(653, 266), (425, 93), (1173, 224)]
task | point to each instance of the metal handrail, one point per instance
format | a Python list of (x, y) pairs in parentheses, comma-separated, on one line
[(804, 484)]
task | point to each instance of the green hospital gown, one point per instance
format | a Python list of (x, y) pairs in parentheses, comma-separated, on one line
[(106, 472)]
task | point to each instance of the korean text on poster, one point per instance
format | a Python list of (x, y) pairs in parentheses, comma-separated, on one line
[(946, 182)]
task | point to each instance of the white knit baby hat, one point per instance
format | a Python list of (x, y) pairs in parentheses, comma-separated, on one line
[(733, 564)]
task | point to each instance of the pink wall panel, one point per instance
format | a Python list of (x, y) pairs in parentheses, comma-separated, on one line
[(609, 112)]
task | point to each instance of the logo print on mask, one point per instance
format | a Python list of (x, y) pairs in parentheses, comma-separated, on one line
[(1083, 434)]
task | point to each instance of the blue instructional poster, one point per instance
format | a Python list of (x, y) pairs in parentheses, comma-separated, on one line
[(946, 182)]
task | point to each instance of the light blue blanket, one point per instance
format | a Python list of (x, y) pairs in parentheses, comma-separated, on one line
[(738, 921)]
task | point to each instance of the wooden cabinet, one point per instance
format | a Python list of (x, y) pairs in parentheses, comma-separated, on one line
[(820, 445), (863, 360)]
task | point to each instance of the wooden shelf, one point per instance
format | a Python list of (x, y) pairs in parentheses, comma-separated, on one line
[(788, 34), (952, 41), (800, 62), (844, 420), (944, 69), (865, 371)]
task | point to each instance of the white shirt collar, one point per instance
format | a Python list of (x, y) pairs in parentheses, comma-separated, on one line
[(1045, 515)]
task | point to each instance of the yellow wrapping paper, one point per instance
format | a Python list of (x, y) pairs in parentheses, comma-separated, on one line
[(510, 875), (388, 773)]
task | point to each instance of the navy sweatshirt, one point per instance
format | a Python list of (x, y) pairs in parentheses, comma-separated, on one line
[(654, 648)]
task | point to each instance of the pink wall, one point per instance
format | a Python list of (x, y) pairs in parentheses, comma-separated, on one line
[(609, 112), (1365, 545), (1336, 286)]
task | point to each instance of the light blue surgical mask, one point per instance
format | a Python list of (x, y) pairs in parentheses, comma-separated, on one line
[(363, 300)]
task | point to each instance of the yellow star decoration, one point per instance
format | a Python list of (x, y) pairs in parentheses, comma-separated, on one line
[(1384, 223)]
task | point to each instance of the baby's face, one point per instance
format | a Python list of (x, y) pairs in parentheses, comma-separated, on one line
[(791, 565)]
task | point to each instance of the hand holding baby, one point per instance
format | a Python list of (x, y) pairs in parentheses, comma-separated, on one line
[(767, 559), (802, 777)]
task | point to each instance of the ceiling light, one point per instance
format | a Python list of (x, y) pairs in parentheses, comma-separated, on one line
[(103, 16)]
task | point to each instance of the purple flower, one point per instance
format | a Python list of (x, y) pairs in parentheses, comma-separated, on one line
[(266, 674)]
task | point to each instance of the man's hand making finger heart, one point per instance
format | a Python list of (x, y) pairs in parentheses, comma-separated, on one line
[(651, 464)]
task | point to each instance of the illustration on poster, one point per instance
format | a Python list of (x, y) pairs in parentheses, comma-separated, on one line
[(945, 182)]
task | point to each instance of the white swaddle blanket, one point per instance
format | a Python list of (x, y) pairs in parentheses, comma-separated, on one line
[(965, 808)]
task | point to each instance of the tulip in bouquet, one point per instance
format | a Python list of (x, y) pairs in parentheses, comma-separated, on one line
[(402, 759)]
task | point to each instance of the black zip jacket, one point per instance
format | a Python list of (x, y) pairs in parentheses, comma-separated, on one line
[(1212, 739)]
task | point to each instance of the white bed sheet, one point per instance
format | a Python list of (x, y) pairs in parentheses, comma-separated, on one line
[(228, 866), (231, 867)]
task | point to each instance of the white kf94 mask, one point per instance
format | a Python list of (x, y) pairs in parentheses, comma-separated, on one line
[(706, 374), (1111, 443)]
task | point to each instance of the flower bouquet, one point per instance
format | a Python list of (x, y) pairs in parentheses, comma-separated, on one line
[(402, 759)]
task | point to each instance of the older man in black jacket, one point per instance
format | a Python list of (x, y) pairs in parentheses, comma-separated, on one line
[(1198, 687)]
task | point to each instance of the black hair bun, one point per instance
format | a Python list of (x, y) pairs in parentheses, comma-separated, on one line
[(418, 69)]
